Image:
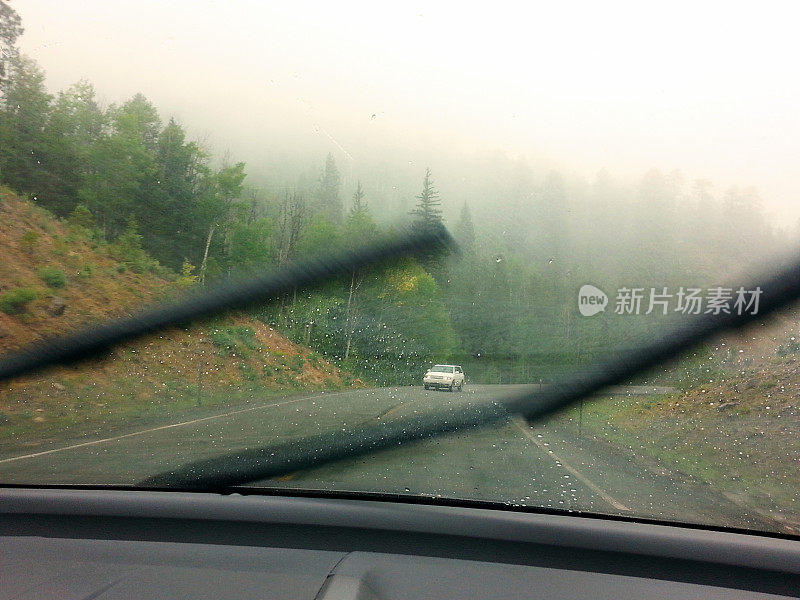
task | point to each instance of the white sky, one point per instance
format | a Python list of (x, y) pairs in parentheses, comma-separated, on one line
[(710, 88)]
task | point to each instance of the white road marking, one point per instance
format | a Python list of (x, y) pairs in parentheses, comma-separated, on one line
[(526, 431), (161, 428)]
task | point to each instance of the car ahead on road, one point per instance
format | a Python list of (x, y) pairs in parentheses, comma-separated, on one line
[(444, 376)]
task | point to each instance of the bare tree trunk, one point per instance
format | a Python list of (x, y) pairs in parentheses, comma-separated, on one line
[(355, 283), (291, 221), (285, 308), (347, 346), (349, 314), (202, 275)]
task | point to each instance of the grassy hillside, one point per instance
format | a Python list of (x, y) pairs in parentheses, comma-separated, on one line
[(55, 277), (734, 425)]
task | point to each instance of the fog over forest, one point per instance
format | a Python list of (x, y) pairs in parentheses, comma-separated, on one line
[(708, 90), (664, 158)]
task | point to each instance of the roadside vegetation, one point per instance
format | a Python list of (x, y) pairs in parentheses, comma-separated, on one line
[(68, 279), (735, 430)]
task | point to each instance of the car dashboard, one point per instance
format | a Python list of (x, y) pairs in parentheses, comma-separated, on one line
[(95, 543)]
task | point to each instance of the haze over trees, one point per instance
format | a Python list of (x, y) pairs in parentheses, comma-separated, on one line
[(505, 307)]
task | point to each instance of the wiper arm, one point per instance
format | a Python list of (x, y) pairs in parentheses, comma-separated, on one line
[(268, 462), (228, 295)]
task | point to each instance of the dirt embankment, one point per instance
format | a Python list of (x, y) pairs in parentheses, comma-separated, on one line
[(56, 277), (735, 426)]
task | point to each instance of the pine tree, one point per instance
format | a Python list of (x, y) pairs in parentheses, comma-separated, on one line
[(428, 217), (428, 214), (329, 201), (25, 110), (465, 231), (139, 117), (81, 217), (10, 30), (76, 123), (359, 205), (122, 170), (170, 213)]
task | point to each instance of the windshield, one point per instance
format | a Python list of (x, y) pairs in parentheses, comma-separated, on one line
[(602, 185)]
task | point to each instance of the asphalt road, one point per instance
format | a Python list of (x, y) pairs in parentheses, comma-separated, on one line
[(546, 465)]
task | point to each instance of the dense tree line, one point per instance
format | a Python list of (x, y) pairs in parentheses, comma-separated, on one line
[(545, 237), (121, 163), (139, 185), (505, 307)]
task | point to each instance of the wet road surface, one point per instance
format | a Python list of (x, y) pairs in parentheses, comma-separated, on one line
[(545, 465)]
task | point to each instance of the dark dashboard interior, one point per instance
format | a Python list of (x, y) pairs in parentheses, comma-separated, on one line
[(82, 544)]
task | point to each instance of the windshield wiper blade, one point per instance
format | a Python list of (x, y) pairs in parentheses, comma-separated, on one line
[(225, 296), (246, 466)]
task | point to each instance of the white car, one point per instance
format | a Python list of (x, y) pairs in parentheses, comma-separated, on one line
[(444, 376)]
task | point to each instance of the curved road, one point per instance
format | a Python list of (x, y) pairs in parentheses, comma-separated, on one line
[(545, 465)]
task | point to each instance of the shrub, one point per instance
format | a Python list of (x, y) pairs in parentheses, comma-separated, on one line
[(295, 363), (81, 217), (187, 277), (233, 340), (286, 379), (61, 246), (29, 241), (790, 347), (14, 302), (159, 270), (127, 249), (53, 277), (248, 372)]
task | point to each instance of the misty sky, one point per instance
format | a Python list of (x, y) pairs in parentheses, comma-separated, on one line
[(707, 88)]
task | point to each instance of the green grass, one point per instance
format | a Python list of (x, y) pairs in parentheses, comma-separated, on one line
[(53, 277), (15, 301), (86, 271), (234, 340), (295, 363), (29, 241)]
